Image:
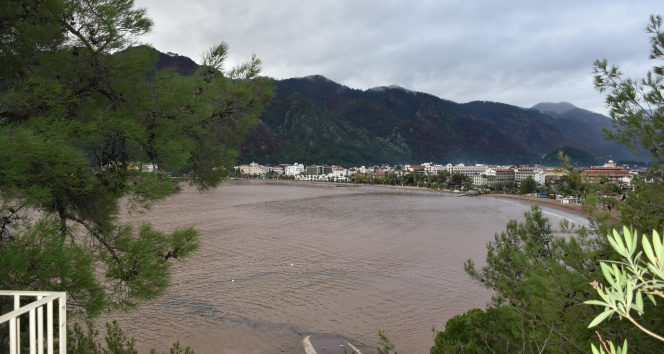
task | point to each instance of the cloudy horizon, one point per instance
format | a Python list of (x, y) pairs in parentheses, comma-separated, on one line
[(516, 52)]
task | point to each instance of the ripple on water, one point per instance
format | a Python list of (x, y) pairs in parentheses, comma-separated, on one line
[(363, 259)]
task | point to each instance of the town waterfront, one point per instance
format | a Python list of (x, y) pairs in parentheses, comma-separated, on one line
[(280, 260)]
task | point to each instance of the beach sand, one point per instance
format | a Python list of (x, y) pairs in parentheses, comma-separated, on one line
[(575, 209)]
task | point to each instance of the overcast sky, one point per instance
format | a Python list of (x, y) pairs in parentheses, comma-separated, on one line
[(510, 51)]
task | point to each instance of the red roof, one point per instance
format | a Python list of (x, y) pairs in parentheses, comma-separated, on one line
[(605, 171)]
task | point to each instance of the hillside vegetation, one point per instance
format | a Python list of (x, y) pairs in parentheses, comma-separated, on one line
[(315, 120)]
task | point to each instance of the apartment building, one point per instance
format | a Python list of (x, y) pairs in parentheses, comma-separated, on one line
[(317, 170), (252, 169), (294, 169), (431, 168), (501, 175), (609, 172), (538, 174), (467, 170)]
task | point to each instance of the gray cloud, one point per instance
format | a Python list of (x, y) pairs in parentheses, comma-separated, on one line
[(516, 52)]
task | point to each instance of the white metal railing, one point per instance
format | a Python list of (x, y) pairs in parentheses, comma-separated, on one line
[(35, 311)]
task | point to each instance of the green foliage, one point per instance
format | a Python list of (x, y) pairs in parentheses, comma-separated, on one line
[(476, 331), (506, 187), (176, 349), (570, 184), (541, 282), (81, 114), (544, 277), (637, 109), (314, 115), (85, 341), (577, 157), (631, 279), (610, 348), (41, 258), (597, 198), (458, 178), (636, 106), (642, 208), (80, 341), (313, 134), (528, 185), (146, 254), (387, 344)]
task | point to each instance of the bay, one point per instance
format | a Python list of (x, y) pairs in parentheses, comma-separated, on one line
[(280, 260)]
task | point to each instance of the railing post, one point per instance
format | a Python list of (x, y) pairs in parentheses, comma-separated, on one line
[(33, 331), (12, 336), (12, 331), (34, 309), (62, 331), (40, 328), (17, 339), (49, 327)]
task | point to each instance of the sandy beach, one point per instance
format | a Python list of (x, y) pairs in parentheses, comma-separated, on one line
[(575, 209)]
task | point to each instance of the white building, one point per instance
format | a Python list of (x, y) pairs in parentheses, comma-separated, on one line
[(339, 171), (149, 167), (467, 170), (433, 169), (484, 180), (294, 169), (253, 169), (538, 174), (144, 167), (364, 170), (339, 174), (540, 177), (494, 175), (501, 175), (413, 168)]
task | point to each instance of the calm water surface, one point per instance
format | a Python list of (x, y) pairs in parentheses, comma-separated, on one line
[(363, 259)]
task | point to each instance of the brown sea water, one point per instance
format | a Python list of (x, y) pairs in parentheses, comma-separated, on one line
[(363, 259)]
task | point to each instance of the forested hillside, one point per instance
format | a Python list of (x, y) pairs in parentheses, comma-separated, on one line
[(315, 120)]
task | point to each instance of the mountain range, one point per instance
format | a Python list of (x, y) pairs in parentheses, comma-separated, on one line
[(313, 120)]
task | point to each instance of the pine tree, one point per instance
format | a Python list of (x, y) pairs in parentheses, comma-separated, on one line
[(637, 109), (82, 112), (541, 280)]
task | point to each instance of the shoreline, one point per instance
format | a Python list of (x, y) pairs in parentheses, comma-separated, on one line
[(575, 209)]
